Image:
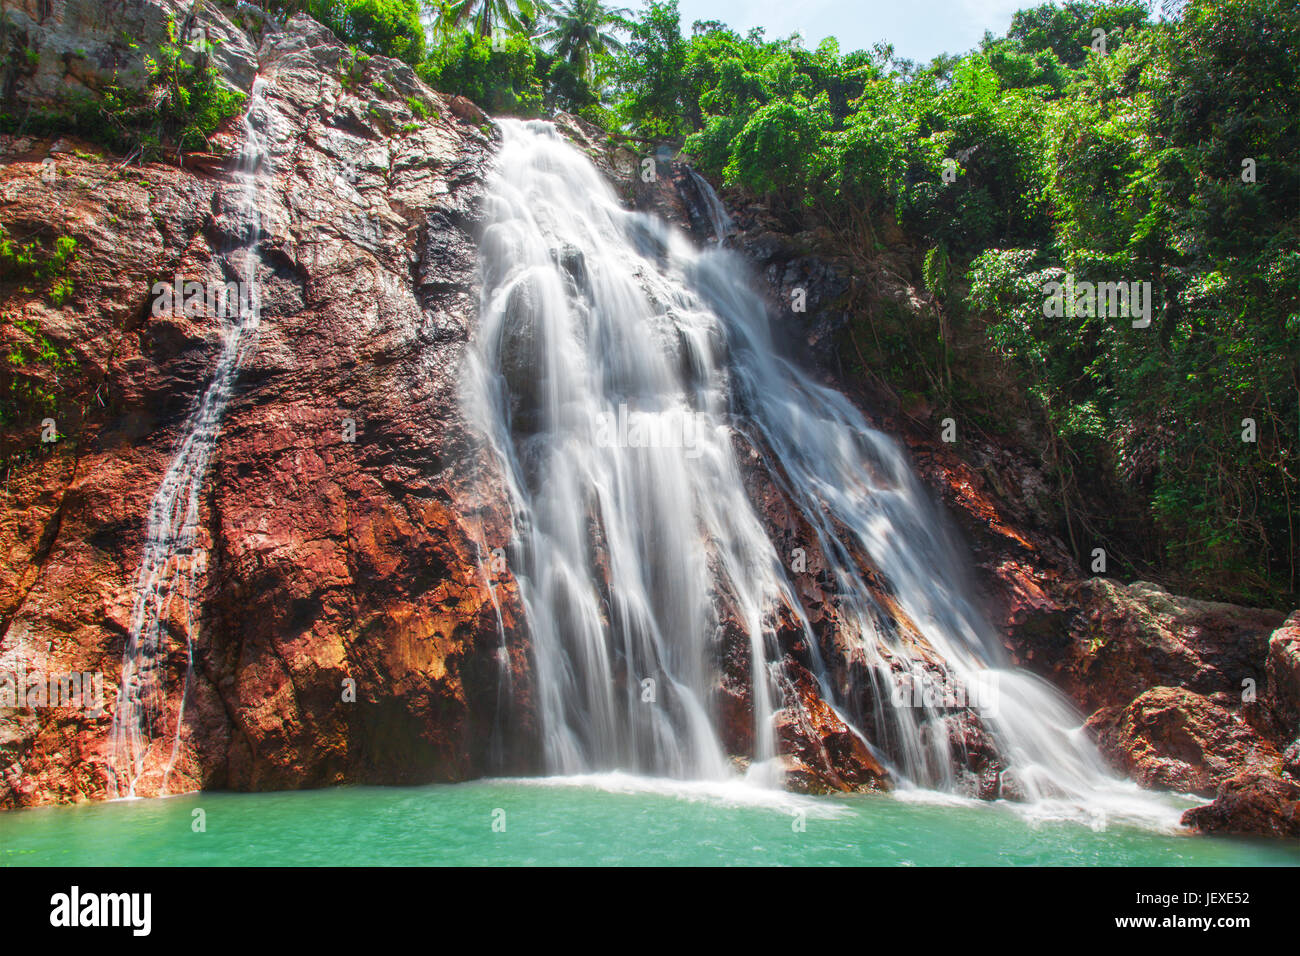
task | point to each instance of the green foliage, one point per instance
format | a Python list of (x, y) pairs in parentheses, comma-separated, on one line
[(520, 58), (187, 102), (353, 68), (936, 271), (31, 365), (30, 266), (184, 101), (483, 17), (1144, 160), (583, 34), (770, 154), (566, 86), (1037, 155), (501, 80), (378, 27), (1065, 33), (419, 107), (650, 73)]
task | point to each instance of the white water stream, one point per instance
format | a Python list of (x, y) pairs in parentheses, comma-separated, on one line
[(172, 565)]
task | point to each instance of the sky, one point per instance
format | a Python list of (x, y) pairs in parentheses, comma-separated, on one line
[(918, 29)]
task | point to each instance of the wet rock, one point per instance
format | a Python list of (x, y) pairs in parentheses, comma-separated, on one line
[(521, 354), (976, 759), (1282, 670), (1291, 759), (1127, 639), (444, 249), (1174, 739), (574, 264), (823, 754), (1251, 804), (733, 696)]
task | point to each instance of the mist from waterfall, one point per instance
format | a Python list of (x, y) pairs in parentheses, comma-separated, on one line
[(619, 374), (172, 565)]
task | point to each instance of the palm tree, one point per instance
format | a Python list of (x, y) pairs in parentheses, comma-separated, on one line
[(482, 16), (581, 32)]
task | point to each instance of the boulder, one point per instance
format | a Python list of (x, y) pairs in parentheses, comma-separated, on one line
[(1250, 804), (1282, 684), (1174, 739), (823, 754), (1125, 639)]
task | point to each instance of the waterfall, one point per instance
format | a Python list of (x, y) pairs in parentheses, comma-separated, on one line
[(619, 375), (172, 565), (719, 218)]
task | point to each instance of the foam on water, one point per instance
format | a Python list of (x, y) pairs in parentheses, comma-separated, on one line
[(732, 792)]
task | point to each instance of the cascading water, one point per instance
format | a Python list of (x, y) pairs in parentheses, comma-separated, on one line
[(617, 370), (719, 218), (172, 565)]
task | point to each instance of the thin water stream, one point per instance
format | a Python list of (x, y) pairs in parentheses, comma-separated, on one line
[(172, 566)]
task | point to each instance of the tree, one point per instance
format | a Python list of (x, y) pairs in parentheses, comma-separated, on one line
[(581, 32), (499, 77), (1066, 31), (380, 27), (649, 73), (483, 16)]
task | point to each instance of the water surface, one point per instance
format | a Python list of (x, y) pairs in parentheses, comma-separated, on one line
[(611, 819)]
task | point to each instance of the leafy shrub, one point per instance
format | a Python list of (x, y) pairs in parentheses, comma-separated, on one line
[(379, 27), (499, 80)]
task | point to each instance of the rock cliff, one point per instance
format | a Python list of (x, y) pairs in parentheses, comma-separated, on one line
[(351, 624)]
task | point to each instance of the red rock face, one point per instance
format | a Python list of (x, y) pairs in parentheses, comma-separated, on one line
[(822, 754), (328, 560), (1251, 804), (1173, 739), (1282, 701)]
